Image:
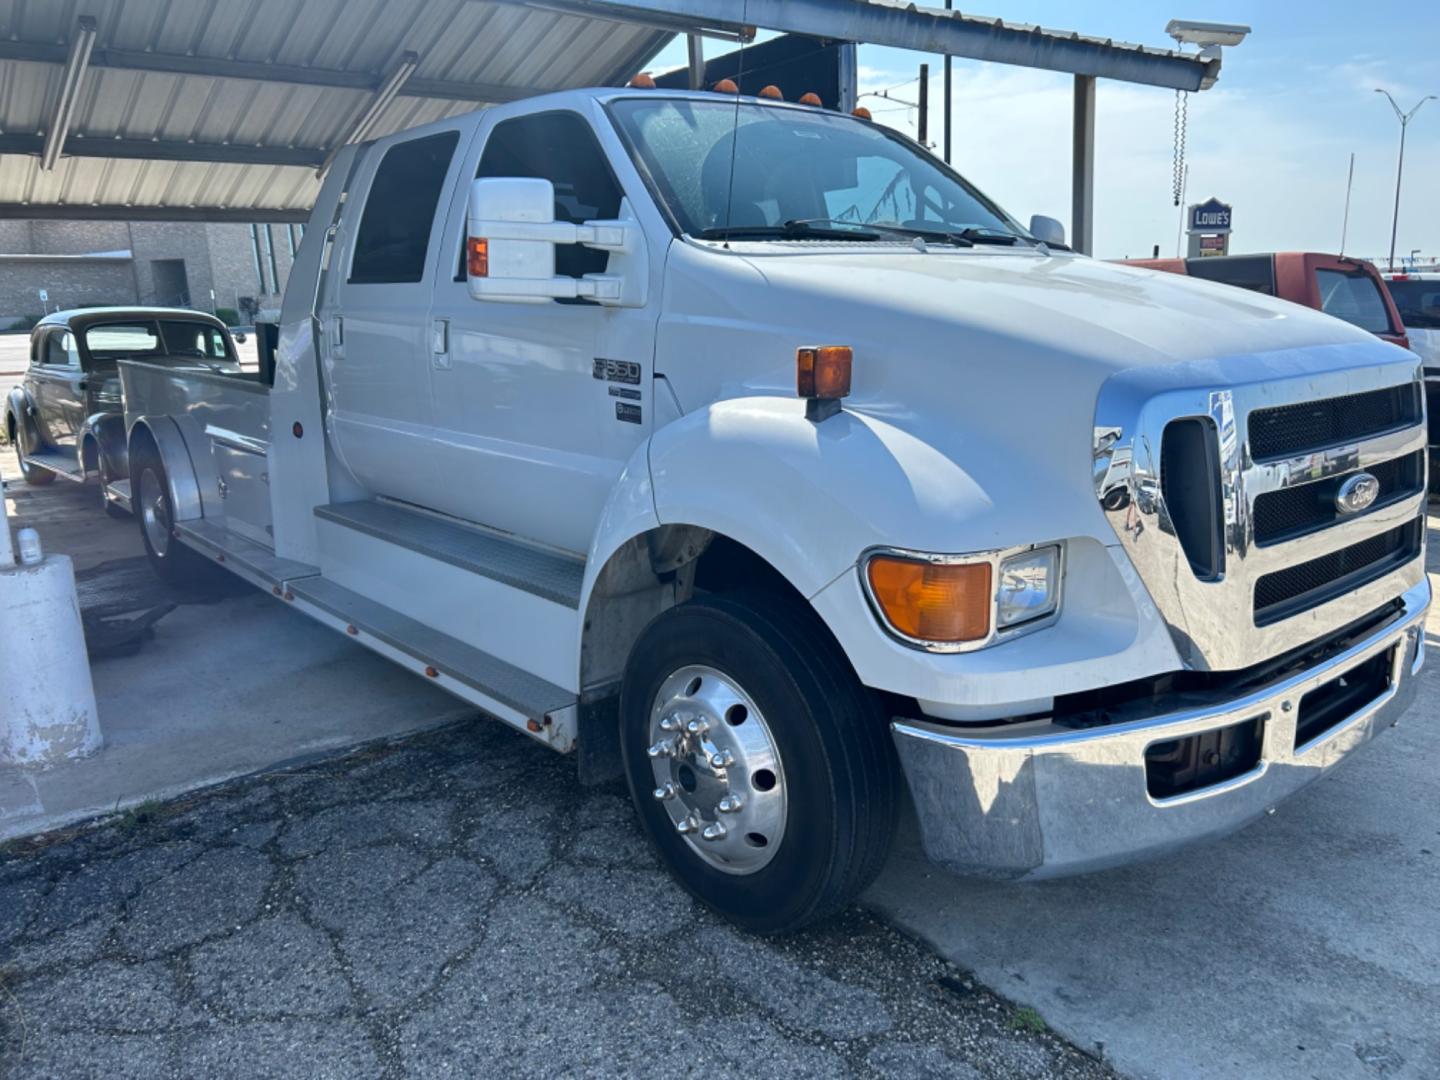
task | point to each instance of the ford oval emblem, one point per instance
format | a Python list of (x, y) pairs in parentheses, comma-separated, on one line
[(1357, 493)]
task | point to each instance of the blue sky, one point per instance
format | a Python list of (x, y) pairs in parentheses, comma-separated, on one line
[(1273, 137)]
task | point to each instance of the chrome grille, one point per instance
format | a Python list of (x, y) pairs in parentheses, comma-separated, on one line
[(1295, 511), (1284, 436), (1311, 425), (1296, 588)]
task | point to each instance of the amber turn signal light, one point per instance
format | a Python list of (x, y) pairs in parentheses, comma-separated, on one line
[(478, 256), (944, 603), (823, 371)]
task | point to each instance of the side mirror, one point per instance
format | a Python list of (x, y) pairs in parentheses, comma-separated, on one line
[(510, 240), (1047, 230)]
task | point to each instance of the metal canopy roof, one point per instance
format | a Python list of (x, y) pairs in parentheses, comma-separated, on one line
[(226, 109)]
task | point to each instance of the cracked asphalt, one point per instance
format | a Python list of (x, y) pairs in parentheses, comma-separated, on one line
[(450, 905)]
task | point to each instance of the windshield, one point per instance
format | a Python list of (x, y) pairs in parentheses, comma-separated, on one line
[(796, 167), (148, 337), (1418, 301)]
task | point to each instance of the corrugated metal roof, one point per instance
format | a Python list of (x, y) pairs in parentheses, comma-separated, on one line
[(469, 52)]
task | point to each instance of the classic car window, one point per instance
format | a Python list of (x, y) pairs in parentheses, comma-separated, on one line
[(184, 338), (122, 339), (60, 350)]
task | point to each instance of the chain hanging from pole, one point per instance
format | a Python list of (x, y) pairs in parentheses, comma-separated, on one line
[(1177, 179)]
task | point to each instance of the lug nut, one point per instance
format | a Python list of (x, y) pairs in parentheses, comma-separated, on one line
[(663, 748), (698, 726), (730, 804), (722, 759), (670, 723), (686, 825), (713, 831), (666, 791)]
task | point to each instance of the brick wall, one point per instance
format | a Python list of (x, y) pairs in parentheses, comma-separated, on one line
[(70, 283)]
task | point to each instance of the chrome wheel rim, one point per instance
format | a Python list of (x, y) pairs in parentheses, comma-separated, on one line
[(154, 512), (717, 769)]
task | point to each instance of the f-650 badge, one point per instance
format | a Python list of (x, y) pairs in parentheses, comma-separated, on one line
[(621, 371)]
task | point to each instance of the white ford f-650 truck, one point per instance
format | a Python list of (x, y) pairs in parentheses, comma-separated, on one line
[(744, 446)]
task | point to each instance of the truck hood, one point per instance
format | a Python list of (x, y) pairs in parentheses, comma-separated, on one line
[(1096, 312), (991, 360)]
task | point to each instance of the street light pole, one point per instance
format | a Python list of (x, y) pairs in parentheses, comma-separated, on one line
[(1404, 119)]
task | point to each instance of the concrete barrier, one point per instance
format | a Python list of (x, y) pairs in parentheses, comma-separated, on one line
[(47, 701)]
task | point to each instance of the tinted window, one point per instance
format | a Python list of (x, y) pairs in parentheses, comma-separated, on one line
[(184, 338), (716, 164), (169, 337), (561, 148), (1253, 272), (400, 209), (1419, 303), (1355, 298)]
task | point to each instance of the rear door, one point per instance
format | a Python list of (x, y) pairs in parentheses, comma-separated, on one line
[(377, 343)]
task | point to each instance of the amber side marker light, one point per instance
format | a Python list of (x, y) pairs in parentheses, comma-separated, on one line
[(477, 256), (771, 93), (822, 377), (726, 86), (862, 112), (937, 603), (811, 98), (643, 81)]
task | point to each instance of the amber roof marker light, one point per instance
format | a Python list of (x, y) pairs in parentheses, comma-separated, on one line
[(822, 378)]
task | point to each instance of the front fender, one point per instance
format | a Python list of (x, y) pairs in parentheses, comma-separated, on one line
[(810, 497), (108, 431), (17, 404)]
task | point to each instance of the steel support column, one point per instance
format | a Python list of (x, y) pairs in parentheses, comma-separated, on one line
[(1082, 167), (695, 45)]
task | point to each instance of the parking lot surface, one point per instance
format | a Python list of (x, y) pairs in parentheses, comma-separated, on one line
[(450, 906)]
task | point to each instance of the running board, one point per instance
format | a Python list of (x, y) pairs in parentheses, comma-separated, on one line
[(62, 465), (541, 709), (542, 573), (255, 563)]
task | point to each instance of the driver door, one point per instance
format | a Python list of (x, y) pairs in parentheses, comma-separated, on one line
[(59, 390)]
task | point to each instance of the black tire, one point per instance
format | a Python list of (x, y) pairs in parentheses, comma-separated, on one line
[(839, 765), (175, 563), (26, 439)]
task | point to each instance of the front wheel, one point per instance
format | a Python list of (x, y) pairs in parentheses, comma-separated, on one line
[(762, 770)]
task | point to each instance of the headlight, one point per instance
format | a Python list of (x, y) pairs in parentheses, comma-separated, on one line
[(956, 603), (1029, 587)]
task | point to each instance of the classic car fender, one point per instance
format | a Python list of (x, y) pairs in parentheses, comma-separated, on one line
[(17, 406)]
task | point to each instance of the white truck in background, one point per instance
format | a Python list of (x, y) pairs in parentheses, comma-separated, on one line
[(744, 447)]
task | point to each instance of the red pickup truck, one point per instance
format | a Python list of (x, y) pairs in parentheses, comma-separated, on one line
[(1335, 284)]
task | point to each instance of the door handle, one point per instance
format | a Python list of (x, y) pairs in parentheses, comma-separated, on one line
[(337, 335), (440, 342)]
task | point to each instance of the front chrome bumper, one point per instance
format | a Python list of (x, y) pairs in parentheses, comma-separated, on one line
[(1036, 801)]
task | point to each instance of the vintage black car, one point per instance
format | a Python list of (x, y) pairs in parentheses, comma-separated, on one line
[(67, 419)]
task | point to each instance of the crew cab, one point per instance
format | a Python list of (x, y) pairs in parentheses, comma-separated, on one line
[(1349, 289), (744, 449), (66, 418)]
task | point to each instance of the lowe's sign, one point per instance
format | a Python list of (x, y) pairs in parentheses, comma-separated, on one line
[(1211, 216)]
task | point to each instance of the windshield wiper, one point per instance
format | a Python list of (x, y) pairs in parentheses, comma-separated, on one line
[(791, 230), (978, 234)]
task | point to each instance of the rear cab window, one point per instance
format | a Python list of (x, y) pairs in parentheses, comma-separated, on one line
[(1354, 296)]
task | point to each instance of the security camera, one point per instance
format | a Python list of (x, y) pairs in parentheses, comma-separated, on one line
[(1206, 34)]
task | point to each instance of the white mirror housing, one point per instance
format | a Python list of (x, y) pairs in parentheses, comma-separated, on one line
[(1047, 230), (510, 240)]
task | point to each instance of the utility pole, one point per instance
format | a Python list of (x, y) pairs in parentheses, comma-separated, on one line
[(948, 5), (924, 124), (1404, 119)]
